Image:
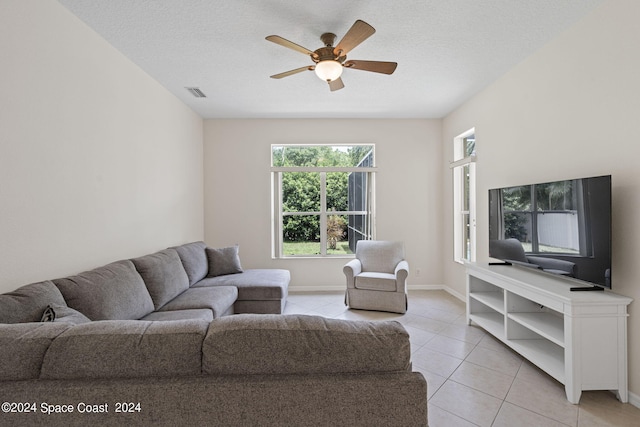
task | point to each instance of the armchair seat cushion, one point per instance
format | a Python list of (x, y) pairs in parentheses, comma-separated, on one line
[(376, 281)]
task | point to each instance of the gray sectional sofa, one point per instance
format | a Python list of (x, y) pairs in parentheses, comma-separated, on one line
[(190, 281), (151, 341)]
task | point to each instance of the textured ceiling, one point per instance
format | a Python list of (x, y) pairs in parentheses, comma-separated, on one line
[(447, 50)]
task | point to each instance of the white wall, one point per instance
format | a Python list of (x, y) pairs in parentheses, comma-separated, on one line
[(98, 162), (570, 110), (409, 185)]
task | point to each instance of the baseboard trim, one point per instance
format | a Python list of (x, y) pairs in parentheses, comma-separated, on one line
[(445, 288), (319, 288), (634, 400), (341, 288)]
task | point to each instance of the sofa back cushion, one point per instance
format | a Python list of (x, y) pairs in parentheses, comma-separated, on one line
[(114, 291), (163, 274), (28, 303), (126, 349), (299, 344), (194, 260), (23, 346)]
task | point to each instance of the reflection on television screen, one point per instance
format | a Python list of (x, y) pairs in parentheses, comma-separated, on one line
[(561, 227)]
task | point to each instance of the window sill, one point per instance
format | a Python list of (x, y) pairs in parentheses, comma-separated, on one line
[(315, 257)]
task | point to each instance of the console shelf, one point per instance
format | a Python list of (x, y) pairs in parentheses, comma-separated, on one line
[(579, 338)]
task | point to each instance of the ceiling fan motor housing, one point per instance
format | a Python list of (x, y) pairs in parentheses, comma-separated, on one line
[(327, 52)]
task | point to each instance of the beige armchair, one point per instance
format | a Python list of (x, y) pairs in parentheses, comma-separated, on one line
[(376, 278)]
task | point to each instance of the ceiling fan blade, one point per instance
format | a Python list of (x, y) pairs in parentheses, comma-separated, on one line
[(291, 72), (291, 45), (336, 84), (359, 32), (375, 66)]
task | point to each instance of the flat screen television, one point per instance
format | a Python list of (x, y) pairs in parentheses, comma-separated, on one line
[(561, 227)]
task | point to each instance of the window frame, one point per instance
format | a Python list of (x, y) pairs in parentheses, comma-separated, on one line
[(463, 229), (278, 214)]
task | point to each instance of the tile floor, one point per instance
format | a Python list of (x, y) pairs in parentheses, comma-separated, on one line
[(473, 379)]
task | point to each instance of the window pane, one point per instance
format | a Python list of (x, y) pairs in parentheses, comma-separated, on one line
[(357, 230), (358, 184), (301, 235), (469, 145), (466, 238), (337, 191), (466, 193), (322, 155), (337, 241), (300, 192)]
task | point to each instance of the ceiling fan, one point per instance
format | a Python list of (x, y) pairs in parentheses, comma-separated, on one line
[(330, 61)]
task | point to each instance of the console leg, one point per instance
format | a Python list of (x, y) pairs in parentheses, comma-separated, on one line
[(573, 394), (623, 396)]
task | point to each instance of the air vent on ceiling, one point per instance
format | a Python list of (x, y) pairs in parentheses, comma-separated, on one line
[(196, 92)]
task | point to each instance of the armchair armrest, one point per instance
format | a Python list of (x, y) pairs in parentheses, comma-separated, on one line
[(402, 272), (351, 270)]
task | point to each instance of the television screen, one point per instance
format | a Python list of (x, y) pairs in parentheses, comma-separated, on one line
[(561, 227)]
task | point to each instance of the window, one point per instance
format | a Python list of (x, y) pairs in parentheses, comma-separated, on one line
[(464, 196), (322, 199)]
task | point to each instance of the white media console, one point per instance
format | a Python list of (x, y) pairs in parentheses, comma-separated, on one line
[(579, 338)]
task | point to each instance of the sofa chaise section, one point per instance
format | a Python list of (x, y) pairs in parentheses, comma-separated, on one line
[(262, 291)]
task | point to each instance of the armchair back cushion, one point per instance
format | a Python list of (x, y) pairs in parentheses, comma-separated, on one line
[(507, 249), (379, 256)]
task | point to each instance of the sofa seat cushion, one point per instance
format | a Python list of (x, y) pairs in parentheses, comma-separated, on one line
[(218, 299), (27, 303), (253, 284), (126, 349), (163, 274), (195, 314), (299, 344), (112, 292), (194, 260), (23, 346), (376, 281)]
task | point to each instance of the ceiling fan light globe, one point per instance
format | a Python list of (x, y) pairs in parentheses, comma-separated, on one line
[(328, 70)]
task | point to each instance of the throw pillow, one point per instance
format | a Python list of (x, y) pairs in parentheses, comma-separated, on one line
[(223, 261), (49, 315)]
